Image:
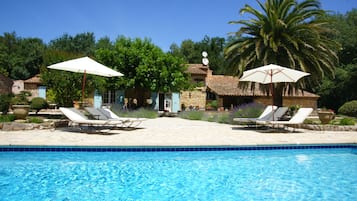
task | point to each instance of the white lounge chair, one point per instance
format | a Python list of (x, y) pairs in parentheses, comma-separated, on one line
[(96, 113), (277, 114), (297, 119), (107, 114), (263, 116), (78, 118), (269, 114)]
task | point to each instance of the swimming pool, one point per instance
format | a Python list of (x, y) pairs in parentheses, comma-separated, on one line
[(228, 173)]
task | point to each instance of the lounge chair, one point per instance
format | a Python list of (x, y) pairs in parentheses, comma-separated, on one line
[(96, 113), (270, 113), (297, 119), (265, 114), (78, 118), (277, 114), (107, 114)]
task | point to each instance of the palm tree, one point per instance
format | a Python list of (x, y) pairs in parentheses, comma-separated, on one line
[(288, 33)]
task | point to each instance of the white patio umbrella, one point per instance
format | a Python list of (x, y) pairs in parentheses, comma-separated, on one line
[(85, 65), (270, 74)]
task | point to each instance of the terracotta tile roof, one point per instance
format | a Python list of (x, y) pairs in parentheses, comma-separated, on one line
[(224, 85), (34, 80), (228, 86), (199, 69)]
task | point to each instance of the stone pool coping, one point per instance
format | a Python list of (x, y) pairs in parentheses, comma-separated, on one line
[(168, 131)]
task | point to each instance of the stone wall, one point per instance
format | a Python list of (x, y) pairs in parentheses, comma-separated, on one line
[(32, 88), (17, 126), (195, 98), (289, 101)]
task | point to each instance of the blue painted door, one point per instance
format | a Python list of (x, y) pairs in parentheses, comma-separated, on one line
[(175, 102), (97, 99), (42, 92)]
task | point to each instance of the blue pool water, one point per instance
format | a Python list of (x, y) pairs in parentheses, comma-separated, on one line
[(298, 174)]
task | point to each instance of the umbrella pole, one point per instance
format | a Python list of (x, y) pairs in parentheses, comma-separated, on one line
[(83, 86), (272, 91)]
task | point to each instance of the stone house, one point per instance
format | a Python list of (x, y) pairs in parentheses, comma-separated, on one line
[(224, 89), (196, 98), (33, 85)]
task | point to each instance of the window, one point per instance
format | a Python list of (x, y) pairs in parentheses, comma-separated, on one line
[(109, 97)]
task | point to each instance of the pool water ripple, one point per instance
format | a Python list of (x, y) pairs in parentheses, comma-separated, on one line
[(215, 175)]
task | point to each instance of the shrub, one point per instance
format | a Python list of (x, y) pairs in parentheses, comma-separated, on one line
[(349, 108), (140, 113), (224, 119), (309, 121), (5, 100), (21, 98), (250, 110), (347, 122), (7, 118), (36, 120), (213, 104), (212, 118), (192, 115), (38, 103)]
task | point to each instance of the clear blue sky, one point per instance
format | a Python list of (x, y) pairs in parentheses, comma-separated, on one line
[(163, 21)]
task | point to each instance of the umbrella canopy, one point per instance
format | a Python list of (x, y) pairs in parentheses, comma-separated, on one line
[(85, 65), (272, 74)]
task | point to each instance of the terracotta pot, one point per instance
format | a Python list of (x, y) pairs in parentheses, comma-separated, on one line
[(326, 116), (78, 104), (20, 111)]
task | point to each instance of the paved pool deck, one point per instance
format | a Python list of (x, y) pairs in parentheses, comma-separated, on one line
[(169, 131)]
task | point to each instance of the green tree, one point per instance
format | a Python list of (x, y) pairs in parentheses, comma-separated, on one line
[(104, 43), (83, 43), (144, 65), (20, 58), (67, 86), (191, 52), (215, 49), (346, 26), (288, 33), (335, 92)]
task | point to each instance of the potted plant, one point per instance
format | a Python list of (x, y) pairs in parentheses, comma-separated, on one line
[(20, 105), (212, 105), (326, 115)]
